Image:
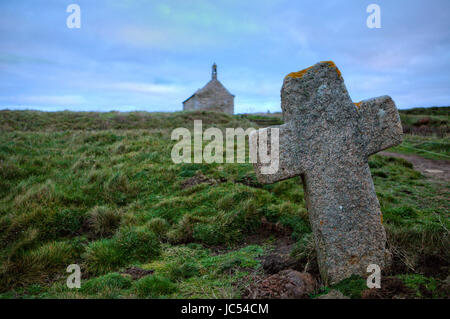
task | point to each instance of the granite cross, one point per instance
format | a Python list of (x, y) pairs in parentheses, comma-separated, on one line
[(327, 139)]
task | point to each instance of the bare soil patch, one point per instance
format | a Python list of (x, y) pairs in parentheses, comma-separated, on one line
[(391, 288), (437, 169), (197, 179), (137, 273), (287, 284)]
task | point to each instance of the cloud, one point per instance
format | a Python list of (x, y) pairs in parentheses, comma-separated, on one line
[(144, 37), (148, 88), (58, 100), (20, 59), (133, 36), (138, 54)]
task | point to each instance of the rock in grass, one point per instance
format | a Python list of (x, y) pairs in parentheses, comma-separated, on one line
[(287, 284), (333, 294), (327, 139)]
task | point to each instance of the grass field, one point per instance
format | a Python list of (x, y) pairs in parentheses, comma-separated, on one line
[(100, 190)]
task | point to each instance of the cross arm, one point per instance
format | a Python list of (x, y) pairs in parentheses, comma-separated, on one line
[(380, 124), (288, 162)]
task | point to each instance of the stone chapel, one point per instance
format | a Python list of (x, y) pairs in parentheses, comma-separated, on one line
[(213, 96)]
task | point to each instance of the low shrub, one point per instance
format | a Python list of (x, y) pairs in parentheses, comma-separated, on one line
[(106, 284), (159, 226), (352, 287), (154, 286), (137, 243), (183, 271), (423, 287), (103, 221), (103, 256), (129, 244), (38, 265)]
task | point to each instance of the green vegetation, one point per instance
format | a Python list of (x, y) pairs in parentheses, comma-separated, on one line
[(352, 287), (103, 221), (107, 284), (100, 190), (422, 286), (93, 121), (435, 111), (128, 245), (425, 146), (154, 286)]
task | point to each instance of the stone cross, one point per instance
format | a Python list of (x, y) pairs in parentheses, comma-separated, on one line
[(327, 139)]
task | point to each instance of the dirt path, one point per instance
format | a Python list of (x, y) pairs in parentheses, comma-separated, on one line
[(438, 169)]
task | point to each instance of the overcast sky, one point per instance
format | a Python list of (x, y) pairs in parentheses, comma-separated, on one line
[(151, 55)]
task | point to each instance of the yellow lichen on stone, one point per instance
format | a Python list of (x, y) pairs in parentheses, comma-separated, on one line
[(301, 73), (298, 74), (332, 65)]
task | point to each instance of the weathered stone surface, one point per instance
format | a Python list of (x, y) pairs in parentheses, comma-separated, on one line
[(275, 262), (327, 139), (333, 294), (287, 284), (213, 97)]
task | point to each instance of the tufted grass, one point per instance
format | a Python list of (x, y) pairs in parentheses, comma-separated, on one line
[(101, 191)]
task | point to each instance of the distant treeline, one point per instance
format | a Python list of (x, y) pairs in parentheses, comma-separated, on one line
[(435, 110)]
